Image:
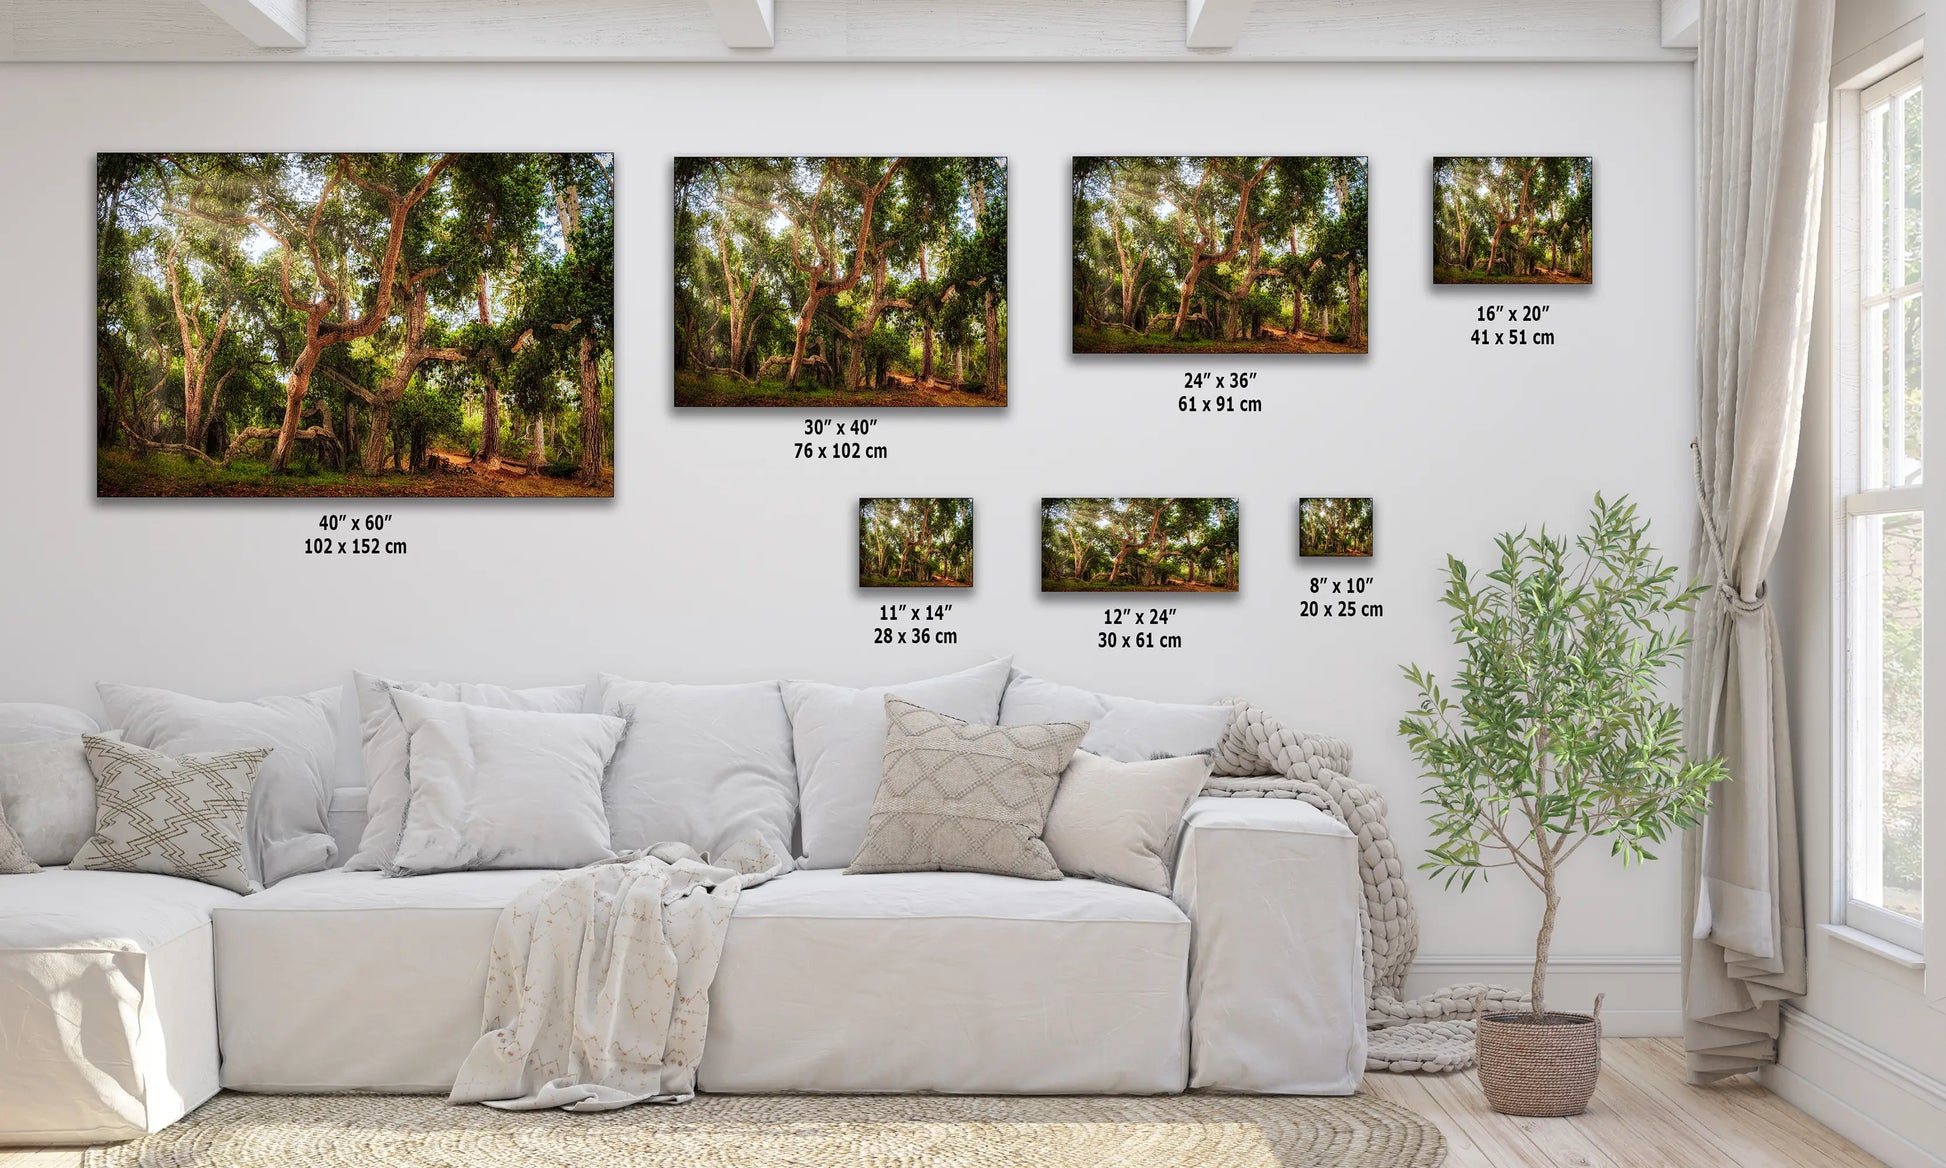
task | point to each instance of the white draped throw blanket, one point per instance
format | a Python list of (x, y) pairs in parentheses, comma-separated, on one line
[(597, 990)]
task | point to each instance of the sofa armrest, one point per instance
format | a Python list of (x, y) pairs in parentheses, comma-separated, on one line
[(1276, 963)]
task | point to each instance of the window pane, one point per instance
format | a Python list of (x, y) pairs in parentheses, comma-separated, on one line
[(1911, 393), (1875, 392), (1875, 148), (1888, 686), (1911, 108)]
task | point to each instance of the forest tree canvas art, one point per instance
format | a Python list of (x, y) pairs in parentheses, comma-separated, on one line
[(1513, 221), (1139, 545), (1334, 527), (915, 543), (1220, 255), (355, 324), (841, 282)]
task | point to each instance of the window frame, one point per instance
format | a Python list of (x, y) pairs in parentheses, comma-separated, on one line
[(1855, 501)]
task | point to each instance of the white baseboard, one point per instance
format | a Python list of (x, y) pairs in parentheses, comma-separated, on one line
[(1643, 994), (1884, 1106)]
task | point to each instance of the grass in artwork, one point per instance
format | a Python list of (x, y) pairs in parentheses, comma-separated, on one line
[(1513, 220), (915, 543), (841, 282), (1139, 545), (355, 324), (1220, 255), (1334, 527)]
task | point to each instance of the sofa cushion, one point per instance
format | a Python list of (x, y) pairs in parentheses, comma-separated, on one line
[(287, 832), (107, 1004), (1122, 729), (838, 736), (828, 982), (703, 765)]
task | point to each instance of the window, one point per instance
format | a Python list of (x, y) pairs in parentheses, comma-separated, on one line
[(1882, 516)]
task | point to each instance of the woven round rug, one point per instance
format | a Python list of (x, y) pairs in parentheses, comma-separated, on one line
[(793, 1131)]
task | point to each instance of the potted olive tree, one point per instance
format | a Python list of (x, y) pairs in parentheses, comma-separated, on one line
[(1555, 731)]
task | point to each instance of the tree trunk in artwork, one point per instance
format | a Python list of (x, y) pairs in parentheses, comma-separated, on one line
[(536, 447), (590, 470)]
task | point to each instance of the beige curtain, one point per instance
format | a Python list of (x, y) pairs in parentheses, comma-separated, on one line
[(1762, 85)]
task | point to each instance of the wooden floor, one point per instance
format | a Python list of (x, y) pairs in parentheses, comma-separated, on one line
[(1643, 1116)]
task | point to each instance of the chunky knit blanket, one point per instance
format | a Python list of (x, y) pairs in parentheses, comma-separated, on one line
[(1262, 759)]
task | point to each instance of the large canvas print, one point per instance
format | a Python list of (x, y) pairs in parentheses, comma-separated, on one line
[(1139, 545), (355, 324), (1505, 220), (807, 282), (915, 543), (1220, 255)]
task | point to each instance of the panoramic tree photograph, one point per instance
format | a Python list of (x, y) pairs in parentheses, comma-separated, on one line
[(1220, 255), (1139, 545), (355, 324), (806, 282), (1334, 527), (1513, 221), (915, 543)]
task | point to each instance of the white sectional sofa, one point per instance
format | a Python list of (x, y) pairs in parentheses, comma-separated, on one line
[(127, 1000)]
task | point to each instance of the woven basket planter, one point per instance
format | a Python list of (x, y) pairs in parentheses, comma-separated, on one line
[(1544, 1068)]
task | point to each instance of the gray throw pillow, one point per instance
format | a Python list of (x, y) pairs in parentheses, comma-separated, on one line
[(171, 816), (47, 796), (965, 797)]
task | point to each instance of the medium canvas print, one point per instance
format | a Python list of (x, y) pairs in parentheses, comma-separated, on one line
[(809, 282), (915, 543), (1504, 220), (1139, 545), (1220, 255), (354, 324), (1335, 526)]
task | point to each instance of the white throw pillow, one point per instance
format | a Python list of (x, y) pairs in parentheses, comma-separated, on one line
[(39, 722), (172, 816), (1118, 820), (47, 796), (1123, 729), (703, 765), (291, 797), (382, 744), (838, 735), (494, 788)]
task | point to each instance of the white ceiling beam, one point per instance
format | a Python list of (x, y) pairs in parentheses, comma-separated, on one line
[(269, 24), (745, 24), (1216, 24), (1680, 21)]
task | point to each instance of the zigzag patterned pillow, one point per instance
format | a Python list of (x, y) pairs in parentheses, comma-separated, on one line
[(14, 860), (170, 816), (962, 797)]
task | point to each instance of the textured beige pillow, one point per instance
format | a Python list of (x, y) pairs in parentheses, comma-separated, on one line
[(170, 816), (962, 797), (1118, 820), (14, 860)]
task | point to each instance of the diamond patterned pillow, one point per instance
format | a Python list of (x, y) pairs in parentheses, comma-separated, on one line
[(962, 797), (171, 816), (14, 860)]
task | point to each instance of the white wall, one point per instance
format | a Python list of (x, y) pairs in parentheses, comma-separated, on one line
[(722, 558), (1867, 1052)]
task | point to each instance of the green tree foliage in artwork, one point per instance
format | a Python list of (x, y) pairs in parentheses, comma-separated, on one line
[(915, 543), (1513, 220), (1555, 729), (1335, 527), (1139, 545), (353, 323), (841, 281), (1220, 254)]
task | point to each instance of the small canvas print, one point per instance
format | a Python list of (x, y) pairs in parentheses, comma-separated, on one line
[(1220, 255), (355, 325), (915, 543), (1513, 220), (810, 282), (1139, 545), (1334, 527)]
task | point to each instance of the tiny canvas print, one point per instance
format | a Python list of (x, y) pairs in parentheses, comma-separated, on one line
[(847, 282), (1220, 255), (915, 543), (355, 325), (1513, 220), (1334, 527), (1139, 545)]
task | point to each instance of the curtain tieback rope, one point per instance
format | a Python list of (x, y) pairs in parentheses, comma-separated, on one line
[(1731, 597)]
